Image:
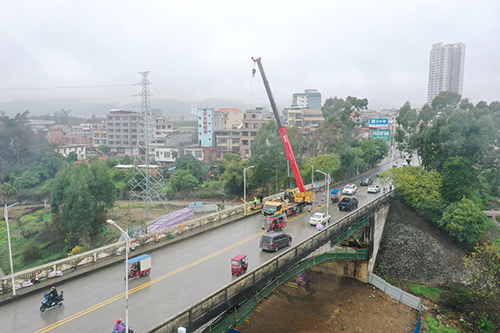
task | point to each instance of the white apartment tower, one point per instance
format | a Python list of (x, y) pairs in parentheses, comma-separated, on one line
[(446, 69)]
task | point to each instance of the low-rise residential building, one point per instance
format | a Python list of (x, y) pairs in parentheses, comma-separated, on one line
[(80, 150), (253, 120), (231, 117)]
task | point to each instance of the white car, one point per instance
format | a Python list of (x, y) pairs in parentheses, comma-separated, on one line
[(319, 218), (373, 189), (349, 189)]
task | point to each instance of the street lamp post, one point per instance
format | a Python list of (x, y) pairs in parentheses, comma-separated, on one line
[(127, 238), (245, 187), (328, 180), (6, 214)]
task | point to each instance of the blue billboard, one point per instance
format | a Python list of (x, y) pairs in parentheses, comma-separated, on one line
[(379, 121)]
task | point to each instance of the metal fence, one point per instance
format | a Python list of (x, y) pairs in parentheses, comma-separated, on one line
[(395, 292)]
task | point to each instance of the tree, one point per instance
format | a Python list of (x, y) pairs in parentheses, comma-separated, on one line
[(6, 190), (420, 188), (81, 195), (464, 221), (457, 179), (103, 148), (269, 156), (72, 157), (183, 180), (196, 168), (329, 164), (483, 266), (231, 167), (446, 99)]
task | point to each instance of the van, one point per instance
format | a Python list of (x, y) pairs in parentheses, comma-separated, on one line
[(274, 240)]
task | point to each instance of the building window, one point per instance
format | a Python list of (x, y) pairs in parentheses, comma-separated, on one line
[(244, 133), (253, 134), (236, 141), (244, 142)]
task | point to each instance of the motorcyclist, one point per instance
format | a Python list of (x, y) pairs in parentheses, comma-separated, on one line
[(52, 295), (120, 327)]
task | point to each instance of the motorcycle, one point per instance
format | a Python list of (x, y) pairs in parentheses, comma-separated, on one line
[(47, 304)]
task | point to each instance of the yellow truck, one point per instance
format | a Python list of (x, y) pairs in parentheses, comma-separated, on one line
[(293, 202)]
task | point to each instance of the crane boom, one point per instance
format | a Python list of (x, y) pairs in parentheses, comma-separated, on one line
[(281, 128)]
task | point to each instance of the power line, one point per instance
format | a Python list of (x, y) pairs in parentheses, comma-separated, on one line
[(69, 87)]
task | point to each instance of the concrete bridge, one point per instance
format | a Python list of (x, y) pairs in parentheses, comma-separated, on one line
[(360, 231)]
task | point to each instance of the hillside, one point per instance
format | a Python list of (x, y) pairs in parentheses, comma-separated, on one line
[(411, 250)]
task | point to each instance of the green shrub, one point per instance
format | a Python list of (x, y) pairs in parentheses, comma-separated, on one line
[(485, 326)]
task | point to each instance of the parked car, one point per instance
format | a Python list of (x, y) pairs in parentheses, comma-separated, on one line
[(349, 189), (274, 240), (366, 181), (373, 189), (319, 218), (348, 203)]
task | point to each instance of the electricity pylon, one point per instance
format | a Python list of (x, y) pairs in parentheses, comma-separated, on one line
[(148, 184)]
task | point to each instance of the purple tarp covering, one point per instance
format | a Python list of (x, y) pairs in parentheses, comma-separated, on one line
[(170, 219)]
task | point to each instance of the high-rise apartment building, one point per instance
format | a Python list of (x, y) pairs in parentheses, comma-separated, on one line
[(446, 69)]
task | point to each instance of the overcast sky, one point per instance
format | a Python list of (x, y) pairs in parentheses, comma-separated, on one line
[(379, 50)]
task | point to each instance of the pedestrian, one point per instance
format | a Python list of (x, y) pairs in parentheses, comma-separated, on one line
[(261, 198), (254, 201)]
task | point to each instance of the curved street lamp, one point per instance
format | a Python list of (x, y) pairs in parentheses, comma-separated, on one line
[(127, 237), (6, 214)]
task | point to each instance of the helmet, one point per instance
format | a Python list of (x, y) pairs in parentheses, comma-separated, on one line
[(53, 288), (118, 321)]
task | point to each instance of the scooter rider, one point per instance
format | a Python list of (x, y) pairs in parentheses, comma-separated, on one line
[(53, 295), (120, 327)]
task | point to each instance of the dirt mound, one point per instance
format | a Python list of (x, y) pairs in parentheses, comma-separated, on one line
[(413, 250)]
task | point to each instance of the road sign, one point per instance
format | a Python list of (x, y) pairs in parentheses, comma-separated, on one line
[(379, 121), (381, 134)]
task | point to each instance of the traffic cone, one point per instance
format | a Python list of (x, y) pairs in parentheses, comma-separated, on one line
[(133, 246), (157, 238), (36, 277)]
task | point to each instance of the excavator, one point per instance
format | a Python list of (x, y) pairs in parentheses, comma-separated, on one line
[(294, 201)]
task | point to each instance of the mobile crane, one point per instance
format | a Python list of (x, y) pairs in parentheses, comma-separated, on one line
[(294, 200)]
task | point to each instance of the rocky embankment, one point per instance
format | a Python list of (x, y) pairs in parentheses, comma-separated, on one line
[(413, 250)]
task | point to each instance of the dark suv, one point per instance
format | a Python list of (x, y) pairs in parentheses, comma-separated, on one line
[(348, 203), (366, 181), (273, 240)]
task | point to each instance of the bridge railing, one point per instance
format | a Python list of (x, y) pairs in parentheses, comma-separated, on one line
[(250, 284), (23, 278)]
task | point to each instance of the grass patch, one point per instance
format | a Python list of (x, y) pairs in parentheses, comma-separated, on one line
[(434, 294), (435, 327)]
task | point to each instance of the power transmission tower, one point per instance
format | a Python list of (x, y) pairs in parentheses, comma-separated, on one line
[(148, 184)]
